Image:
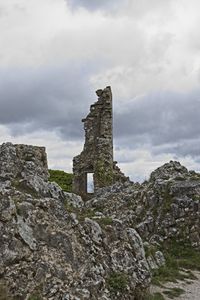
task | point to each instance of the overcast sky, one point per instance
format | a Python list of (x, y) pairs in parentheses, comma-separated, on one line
[(55, 54)]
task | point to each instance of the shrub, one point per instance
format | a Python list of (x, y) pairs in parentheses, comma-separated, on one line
[(117, 282)]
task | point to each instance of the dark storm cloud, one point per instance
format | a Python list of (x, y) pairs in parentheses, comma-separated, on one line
[(44, 98), (166, 122), (94, 4)]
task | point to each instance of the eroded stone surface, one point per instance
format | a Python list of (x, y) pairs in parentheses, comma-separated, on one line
[(165, 207), (54, 244), (50, 251)]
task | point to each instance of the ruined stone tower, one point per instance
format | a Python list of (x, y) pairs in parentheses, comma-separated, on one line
[(97, 155)]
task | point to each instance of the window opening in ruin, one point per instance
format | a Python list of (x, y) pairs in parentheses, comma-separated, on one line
[(90, 183)]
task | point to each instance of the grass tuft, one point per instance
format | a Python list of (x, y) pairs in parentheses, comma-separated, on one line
[(180, 257), (117, 282), (155, 296), (4, 293), (173, 292)]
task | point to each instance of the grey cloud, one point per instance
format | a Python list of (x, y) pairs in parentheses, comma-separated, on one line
[(44, 98), (165, 122), (125, 7), (95, 4), (58, 98), (184, 147)]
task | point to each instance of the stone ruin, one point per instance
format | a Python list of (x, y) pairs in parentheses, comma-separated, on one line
[(96, 159)]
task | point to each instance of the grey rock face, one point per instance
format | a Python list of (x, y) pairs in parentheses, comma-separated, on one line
[(167, 206), (159, 258), (25, 167), (51, 245), (74, 200), (55, 245), (26, 233)]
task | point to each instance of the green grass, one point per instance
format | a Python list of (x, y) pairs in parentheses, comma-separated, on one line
[(63, 179), (35, 297), (155, 296), (4, 293), (186, 256), (117, 282), (179, 257), (150, 250), (173, 292), (85, 213), (81, 213), (196, 198), (105, 221), (169, 272)]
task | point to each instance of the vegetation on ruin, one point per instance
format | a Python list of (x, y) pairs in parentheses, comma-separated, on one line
[(105, 221), (105, 176), (35, 297), (173, 292), (4, 293), (63, 179), (117, 282), (88, 213), (155, 296), (150, 250), (181, 258), (85, 213)]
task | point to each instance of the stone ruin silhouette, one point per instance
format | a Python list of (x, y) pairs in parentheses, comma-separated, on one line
[(97, 155)]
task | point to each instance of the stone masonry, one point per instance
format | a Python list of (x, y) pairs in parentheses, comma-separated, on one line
[(97, 155)]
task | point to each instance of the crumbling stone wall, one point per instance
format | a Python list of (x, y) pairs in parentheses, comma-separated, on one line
[(97, 155)]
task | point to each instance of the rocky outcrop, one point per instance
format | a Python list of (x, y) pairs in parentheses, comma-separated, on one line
[(171, 204), (53, 247), (165, 207)]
